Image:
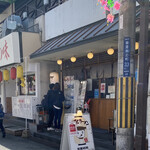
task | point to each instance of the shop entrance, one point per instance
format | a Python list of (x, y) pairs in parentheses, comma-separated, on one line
[(102, 113), (104, 103)]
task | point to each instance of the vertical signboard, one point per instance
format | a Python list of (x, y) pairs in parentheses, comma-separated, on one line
[(126, 57)]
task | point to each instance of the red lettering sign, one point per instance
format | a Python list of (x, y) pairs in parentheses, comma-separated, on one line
[(4, 52), (21, 101), (72, 128)]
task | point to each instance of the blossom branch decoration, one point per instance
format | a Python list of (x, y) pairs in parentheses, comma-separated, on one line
[(107, 5)]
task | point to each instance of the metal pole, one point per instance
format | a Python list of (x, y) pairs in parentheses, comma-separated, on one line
[(125, 85), (26, 69), (142, 88), (12, 9)]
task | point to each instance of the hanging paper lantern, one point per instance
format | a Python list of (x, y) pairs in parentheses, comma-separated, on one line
[(22, 82), (13, 73), (19, 72), (1, 76), (6, 75)]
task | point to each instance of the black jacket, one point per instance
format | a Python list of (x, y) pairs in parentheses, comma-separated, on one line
[(58, 98), (50, 98)]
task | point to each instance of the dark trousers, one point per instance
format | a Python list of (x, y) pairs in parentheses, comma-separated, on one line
[(1, 127), (51, 117), (57, 119)]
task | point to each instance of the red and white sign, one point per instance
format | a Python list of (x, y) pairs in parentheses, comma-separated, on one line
[(103, 86), (9, 49), (72, 128)]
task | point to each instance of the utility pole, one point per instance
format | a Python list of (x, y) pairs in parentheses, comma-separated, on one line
[(142, 88), (126, 80)]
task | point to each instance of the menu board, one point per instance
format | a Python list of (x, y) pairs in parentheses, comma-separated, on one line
[(23, 107), (77, 133)]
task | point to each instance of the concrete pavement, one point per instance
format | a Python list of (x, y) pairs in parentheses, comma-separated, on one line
[(18, 143)]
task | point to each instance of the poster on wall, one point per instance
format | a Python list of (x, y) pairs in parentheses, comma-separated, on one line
[(103, 87), (77, 133), (96, 93)]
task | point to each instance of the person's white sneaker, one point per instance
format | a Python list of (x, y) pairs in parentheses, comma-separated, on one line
[(50, 129)]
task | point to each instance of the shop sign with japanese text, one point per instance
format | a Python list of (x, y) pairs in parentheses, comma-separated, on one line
[(126, 57), (9, 49)]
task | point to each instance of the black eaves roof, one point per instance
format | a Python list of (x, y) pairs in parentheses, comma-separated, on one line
[(95, 31)]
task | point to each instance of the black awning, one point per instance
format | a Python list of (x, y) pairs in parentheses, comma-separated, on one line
[(92, 32)]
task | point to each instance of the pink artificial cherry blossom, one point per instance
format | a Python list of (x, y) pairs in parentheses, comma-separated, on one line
[(106, 8), (117, 5), (110, 18), (103, 2)]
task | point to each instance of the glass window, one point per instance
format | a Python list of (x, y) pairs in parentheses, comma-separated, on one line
[(29, 88)]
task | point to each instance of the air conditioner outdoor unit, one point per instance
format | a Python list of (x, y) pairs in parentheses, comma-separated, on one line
[(11, 24)]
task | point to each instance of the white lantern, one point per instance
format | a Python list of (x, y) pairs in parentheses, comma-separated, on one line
[(110, 51), (59, 62), (90, 55), (136, 45), (73, 59)]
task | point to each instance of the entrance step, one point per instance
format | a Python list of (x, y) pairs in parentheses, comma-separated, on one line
[(102, 139), (14, 130), (50, 138)]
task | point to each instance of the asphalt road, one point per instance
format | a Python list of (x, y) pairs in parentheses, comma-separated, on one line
[(18, 143)]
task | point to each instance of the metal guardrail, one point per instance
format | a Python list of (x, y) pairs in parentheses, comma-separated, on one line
[(33, 29), (35, 8)]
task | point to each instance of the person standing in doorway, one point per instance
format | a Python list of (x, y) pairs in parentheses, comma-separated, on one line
[(50, 99), (1, 120), (58, 106)]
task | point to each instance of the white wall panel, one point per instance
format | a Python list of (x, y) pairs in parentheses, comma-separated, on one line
[(71, 15)]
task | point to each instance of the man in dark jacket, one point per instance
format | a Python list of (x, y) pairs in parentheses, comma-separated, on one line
[(58, 106), (1, 121), (50, 99)]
